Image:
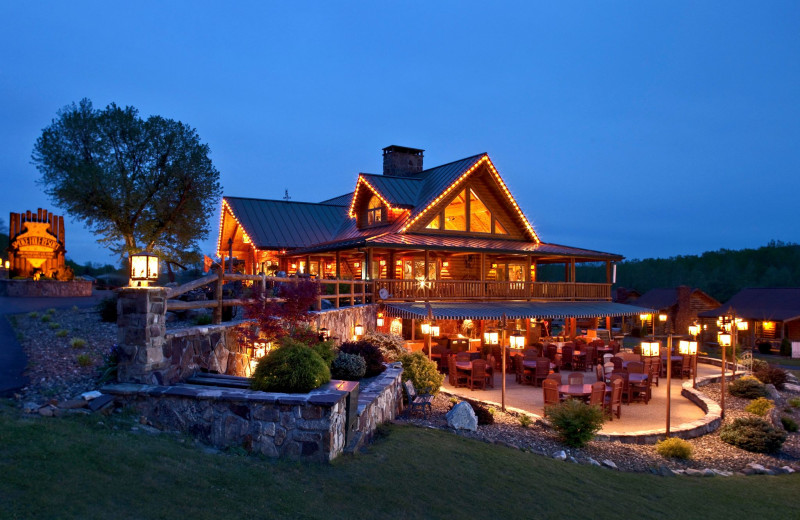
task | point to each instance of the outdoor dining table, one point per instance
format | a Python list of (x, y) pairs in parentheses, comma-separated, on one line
[(637, 378), (531, 364), (581, 391)]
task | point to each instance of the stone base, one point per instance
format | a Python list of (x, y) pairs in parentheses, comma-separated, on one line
[(45, 288)]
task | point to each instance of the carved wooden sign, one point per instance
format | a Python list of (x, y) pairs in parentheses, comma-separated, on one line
[(36, 244)]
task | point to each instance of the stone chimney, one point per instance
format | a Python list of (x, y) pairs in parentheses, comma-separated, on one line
[(401, 161)]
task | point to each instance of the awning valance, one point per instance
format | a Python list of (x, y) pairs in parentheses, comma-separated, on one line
[(512, 310)]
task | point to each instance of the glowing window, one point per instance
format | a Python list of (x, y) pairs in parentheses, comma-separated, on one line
[(455, 214), (499, 229), (435, 223), (374, 211), (480, 218)]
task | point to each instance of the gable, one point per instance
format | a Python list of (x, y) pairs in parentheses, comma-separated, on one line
[(475, 204)]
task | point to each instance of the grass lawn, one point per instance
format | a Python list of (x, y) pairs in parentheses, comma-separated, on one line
[(81, 467)]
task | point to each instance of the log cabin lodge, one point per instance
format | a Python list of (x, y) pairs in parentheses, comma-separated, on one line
[(448, 243)]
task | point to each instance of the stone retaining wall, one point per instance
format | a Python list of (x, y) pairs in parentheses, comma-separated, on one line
[(45, 288), (341, 322)]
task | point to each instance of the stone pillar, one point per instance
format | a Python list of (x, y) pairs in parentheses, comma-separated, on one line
[(141, 332)]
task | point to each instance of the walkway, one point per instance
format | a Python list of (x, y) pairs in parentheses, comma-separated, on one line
[(636, 417), (12, 358)]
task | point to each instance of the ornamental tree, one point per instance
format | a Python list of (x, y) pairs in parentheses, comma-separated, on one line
[(137, 184)]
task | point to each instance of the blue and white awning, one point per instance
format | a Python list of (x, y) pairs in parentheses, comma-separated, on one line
[(512, 310)]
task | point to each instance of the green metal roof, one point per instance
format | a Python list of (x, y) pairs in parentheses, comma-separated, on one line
[(511, 310), (398, 191)]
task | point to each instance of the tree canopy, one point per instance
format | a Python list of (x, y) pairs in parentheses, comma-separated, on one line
[(137, 184)]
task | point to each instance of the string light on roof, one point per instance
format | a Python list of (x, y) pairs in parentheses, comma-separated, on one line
[(361, 180), (245, 237)]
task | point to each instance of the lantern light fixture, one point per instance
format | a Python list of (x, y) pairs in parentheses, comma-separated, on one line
[(380, 320), (435, 330), (694, 329), (687, 348), (651, 348), (144, 269), (517, 339), (382, 262), (662, 317), (644, 317), (741, 324), (725, 339), (445, 264), (359, 329), (356, 264), (491, 337), (426, 328), (324, 334), (7, 264)]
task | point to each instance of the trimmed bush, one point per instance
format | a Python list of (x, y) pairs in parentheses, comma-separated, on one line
[(786, 347), (575, 422), (789, 424), (485, 415), (391, 345), (53, 326), (674, 448), (291, 368), (350, 367), (46, 318), (326, 351), (108, 309), (33, 314), (772, 376), (371, 354), (747, 387), (752, 434), (759, 364), (765, 347), (525, 420), (422, 372), (760, 406)]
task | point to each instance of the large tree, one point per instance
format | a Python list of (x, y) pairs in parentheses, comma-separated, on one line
[(137, 184)]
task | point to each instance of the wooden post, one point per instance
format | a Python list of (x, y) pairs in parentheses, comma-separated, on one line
[(217, 317), (338, 273)]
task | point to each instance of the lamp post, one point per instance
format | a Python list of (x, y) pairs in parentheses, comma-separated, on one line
[(694, 331), (503, 362), (669, 375), (726, 337)]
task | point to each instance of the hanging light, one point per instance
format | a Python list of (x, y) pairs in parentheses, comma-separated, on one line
[(144, 269), (517, 339), (725, 339), (426, 328), (651, 348), (435, 330)]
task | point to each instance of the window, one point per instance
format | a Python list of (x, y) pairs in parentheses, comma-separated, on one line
[(499, 229), (480, 218), (435, 223), (374, 211), (455, 214)]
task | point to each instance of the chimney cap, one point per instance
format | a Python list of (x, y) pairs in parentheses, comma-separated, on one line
[(402, 149)]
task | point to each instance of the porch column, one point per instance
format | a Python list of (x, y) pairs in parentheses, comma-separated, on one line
[(427, 290), (482, 257), (338, 269), (368, 266), (528, 285)]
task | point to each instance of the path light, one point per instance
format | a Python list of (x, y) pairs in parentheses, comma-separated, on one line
[(380, 320), (324, 334), (144, 269), (359, 330)]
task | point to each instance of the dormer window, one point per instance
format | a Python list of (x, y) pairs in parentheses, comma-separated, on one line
[(466, 212), (375, 213)]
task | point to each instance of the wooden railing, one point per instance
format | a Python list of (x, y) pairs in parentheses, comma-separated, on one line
[(489, 290)]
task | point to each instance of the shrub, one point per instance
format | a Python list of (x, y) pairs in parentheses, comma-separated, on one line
[(525, 420), (752, 434), (84, 360), (33, 314), (108, 309), (350, 367), (794, 402), (765, 347), (772, 375), (422, 372), (760, 406), (46, 318), (786, 347), (747, 387), (53, 326), (203, 319), (326, 351), (371, 354), (293, 367), (575, 422), (62, 333), (759, 364), (110, 363), (485, 415), (77, 342), (50, 311), (674, 448), (390, 345), (789, 424)]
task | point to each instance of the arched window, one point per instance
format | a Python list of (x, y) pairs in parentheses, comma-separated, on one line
[(374, 211)]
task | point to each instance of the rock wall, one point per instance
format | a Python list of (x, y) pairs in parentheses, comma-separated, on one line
[(341, 322), (45, 288)]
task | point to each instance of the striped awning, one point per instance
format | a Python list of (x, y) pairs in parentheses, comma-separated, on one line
[(512, 310)]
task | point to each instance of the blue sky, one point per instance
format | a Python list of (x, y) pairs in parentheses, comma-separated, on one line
[(640, 128)]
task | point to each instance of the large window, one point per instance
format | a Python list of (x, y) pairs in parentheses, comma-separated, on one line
[(374, 211), (455, 214), (466, 212), (480, 218)]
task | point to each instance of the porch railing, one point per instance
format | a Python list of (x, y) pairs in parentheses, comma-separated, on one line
[(488, 290)]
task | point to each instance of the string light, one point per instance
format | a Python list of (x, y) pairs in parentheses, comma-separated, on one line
[(245, 237), (362, 180)]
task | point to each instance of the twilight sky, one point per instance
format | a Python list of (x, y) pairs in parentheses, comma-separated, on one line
[(640, 128)]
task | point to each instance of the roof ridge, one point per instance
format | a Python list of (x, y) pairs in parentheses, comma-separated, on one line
[(286, 201), (451, 162)]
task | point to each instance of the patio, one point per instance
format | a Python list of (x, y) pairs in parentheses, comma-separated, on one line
[(636, 417)]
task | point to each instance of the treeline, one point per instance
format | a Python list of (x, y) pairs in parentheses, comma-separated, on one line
[(721, 273)]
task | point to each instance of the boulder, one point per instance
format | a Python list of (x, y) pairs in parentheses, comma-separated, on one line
[(462, 417), (609, 464), (560, 455)]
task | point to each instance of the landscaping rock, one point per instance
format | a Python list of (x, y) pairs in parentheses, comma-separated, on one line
[(694, 472), (462, 417), (609, 464), (665, 471), (593, 462), (30, 407), (573, 460), (47, 411), (787, 469), (102, 402), (560, 455), (708, 472), (72, 404), (88, 396)]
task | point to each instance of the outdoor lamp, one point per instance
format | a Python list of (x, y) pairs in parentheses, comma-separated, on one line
[(725, 339), (434, 330), (650, 348), (494, 337), (324, 334), (644, 317), (694, 330), (8, 264), (662, 317), (687, 348), (741, 324), (379, 321), (261, 348), (517, 339), (359, 330), (144, 269), (426, 328)]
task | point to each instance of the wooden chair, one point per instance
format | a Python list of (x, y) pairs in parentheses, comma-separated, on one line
[(549, 393), (462, 356), (575, 378), (600, 373), (551, 352), (542, 370), (614, 401), (477, 377), (686, 366), (635, 367), (626, 389), (598, 394), (566, 356), (590, 359), (640, 391), (490, 370), (524, 375), (617, 363), (614, 347), (418, 401), (555, 376), (655, 369), (456, 378)]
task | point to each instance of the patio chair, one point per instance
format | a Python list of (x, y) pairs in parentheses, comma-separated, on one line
[(477, 377), (635, 367), (566, 356), (590, 359), (617, 363), (575, 378), (524, 375), (686, 366), (614, 401), (456, 378), (490, 370), (598, 393), (555, 376), (600, 373), (542, 370), (418, 401), (655, 369), (626, 388), (640, 392), (549, 393)]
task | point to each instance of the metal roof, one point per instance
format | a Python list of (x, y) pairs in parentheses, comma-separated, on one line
[(278, 224), (436, 180), (398, 191), (341, 200), (512, 310), (766, 304)]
